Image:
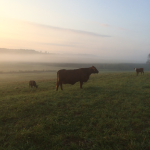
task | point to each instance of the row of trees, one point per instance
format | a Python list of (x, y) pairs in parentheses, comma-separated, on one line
[(148, 60)]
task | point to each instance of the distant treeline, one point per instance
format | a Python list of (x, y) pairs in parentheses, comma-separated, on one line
[(21, 51)]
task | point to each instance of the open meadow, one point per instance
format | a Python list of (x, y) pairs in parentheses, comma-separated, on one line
[(111, 112)]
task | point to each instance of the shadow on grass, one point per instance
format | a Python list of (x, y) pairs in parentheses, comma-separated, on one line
[(146, 87), (93, 88)]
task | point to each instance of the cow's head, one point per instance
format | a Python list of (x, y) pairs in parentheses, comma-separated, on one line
[(94, 70), (135, 69)]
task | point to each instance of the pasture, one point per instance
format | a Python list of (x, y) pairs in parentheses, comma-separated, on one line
[(111, 112)]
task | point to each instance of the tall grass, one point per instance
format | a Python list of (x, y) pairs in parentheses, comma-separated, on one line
[(112, 111)]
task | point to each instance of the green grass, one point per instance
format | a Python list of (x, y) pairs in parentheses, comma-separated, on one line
[(111, 112)]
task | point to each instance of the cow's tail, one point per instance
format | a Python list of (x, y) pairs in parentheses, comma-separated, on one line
[(57, 76), (57, 81)]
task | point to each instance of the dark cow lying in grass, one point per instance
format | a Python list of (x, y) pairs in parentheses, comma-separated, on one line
[(139, 70), (73, 76), (32, 83)]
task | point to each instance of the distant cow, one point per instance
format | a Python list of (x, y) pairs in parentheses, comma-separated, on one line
[(139, 70), (32, 83), (73, 76)]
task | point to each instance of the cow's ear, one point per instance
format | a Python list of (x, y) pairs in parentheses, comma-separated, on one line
[(93, 68)]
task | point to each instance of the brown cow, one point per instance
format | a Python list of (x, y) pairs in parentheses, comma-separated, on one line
[(32, 83), (73, 76), (139, 70)]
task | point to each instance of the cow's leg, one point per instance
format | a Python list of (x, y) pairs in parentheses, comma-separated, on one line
[(57, 86), (81, 83), (61, 86)]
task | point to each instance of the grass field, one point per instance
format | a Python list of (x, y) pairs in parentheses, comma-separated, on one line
[(111, 112)]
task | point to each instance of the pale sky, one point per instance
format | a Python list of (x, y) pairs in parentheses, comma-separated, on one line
[(112, 30)]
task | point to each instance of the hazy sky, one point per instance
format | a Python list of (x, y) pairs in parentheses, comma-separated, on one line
[(113, 30)]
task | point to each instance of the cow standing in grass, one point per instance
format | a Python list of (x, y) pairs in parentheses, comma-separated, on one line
[(139, 70), (73, 76), (32, 83)]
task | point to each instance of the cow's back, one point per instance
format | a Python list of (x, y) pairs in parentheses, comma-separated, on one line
[(139, 69), (32, 83), (69, 76)]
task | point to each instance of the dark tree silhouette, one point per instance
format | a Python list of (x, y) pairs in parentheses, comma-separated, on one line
[(148, 59)]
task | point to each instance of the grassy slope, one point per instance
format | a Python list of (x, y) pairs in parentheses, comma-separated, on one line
[(112, 111)]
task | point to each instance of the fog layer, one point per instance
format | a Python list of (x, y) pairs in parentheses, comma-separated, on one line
[(62, 58)]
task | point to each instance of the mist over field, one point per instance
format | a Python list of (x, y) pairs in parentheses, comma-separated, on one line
[(23, 55), (28, 61), (51, 58)]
